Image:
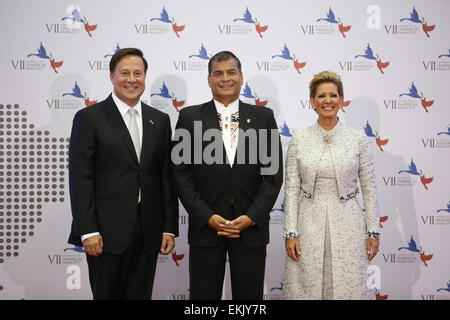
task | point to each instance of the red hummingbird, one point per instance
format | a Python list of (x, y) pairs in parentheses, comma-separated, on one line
[(299, 65), (345, 104), (261, 103), (177, 29), (55, 64), (177, 104), (89, 103), (426, 104), (425, 258), (176, 257), (260, 29), (343, 29), (380, 297), (426, 28), (381, 142), (89, 28), (425, 181), (383, 219)]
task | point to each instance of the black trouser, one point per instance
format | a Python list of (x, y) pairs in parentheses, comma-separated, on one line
[(207, 270), (128, 275)]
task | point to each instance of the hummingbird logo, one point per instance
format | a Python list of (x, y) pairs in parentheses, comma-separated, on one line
[(177, 257), (164, 17), (331, 19), (164, 93), (42, 53), (286, 55), (413, 93), (248, 94), (247, 18), (380, 142), (414, 17), (412, 169), (368, 54), (412, 246)]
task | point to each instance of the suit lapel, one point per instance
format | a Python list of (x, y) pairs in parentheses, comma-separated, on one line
[(246, 122), (115, 120), (147, 131)]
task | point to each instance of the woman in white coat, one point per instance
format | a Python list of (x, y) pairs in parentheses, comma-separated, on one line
[(329, 239)]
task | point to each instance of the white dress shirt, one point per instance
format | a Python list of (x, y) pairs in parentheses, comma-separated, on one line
[(229, 131)]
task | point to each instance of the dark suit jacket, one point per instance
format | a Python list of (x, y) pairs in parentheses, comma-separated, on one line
[(205, 189), (105, 176)]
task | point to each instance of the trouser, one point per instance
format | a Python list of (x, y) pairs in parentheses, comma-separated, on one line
[(207, 270)]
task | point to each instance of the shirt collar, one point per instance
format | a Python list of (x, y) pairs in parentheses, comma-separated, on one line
[(233, 107), (123, 107)]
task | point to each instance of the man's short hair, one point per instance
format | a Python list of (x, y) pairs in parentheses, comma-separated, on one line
[(126, 52), (222, 56)]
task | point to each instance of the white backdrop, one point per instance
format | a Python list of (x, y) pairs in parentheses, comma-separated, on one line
[(54, 61)]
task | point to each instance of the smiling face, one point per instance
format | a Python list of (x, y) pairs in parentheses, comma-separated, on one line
[(128, 79), (225, 81), (327, 101)]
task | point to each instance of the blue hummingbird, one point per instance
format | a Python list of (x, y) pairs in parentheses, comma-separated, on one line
[(278, 288), (247, 17), (164, 92), (279, 209), (115, 50), (42, 53), (446, 210), (368, 130), (446, 289), (368, 54), (285, 130), (76, 248), (411, 246), (412, 92), (412, 169), (164, 17), (202, 54), (330, 17), (75, 16), (445, 55), (445, 132), (247, 92), (285, 54), (414, 17), (76, 92)]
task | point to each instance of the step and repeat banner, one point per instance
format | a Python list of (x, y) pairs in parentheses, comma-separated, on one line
[(393, 57)]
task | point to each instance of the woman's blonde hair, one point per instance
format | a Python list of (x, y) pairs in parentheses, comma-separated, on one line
[(324, 77)]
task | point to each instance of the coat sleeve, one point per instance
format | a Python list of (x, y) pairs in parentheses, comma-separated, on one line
[(367, 181), (292, 185), (272, 181), (82, 176), (169, 190), (199, 211)]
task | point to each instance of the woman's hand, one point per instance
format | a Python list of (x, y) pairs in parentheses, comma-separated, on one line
[(293, 248), (372, 247)]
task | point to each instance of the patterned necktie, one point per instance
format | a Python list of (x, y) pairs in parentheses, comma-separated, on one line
[(134, 132)]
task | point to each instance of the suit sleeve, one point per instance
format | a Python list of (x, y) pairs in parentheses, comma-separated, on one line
[(169, 192), (199, 211), (270, 187), (82, 176), (368, 186)]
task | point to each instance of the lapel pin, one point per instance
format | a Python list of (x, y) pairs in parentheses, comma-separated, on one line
[(151, 122), (249, 120)]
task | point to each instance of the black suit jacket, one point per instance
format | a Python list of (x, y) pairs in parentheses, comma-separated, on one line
[(105, 177), (207, 189)]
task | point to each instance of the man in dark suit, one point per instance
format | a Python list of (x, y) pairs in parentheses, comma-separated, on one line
[(123, 197), (225, 189)]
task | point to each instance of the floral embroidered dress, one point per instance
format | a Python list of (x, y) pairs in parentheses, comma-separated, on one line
[(323, 167)]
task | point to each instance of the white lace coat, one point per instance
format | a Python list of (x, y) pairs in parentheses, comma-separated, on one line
[(352, 159)]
